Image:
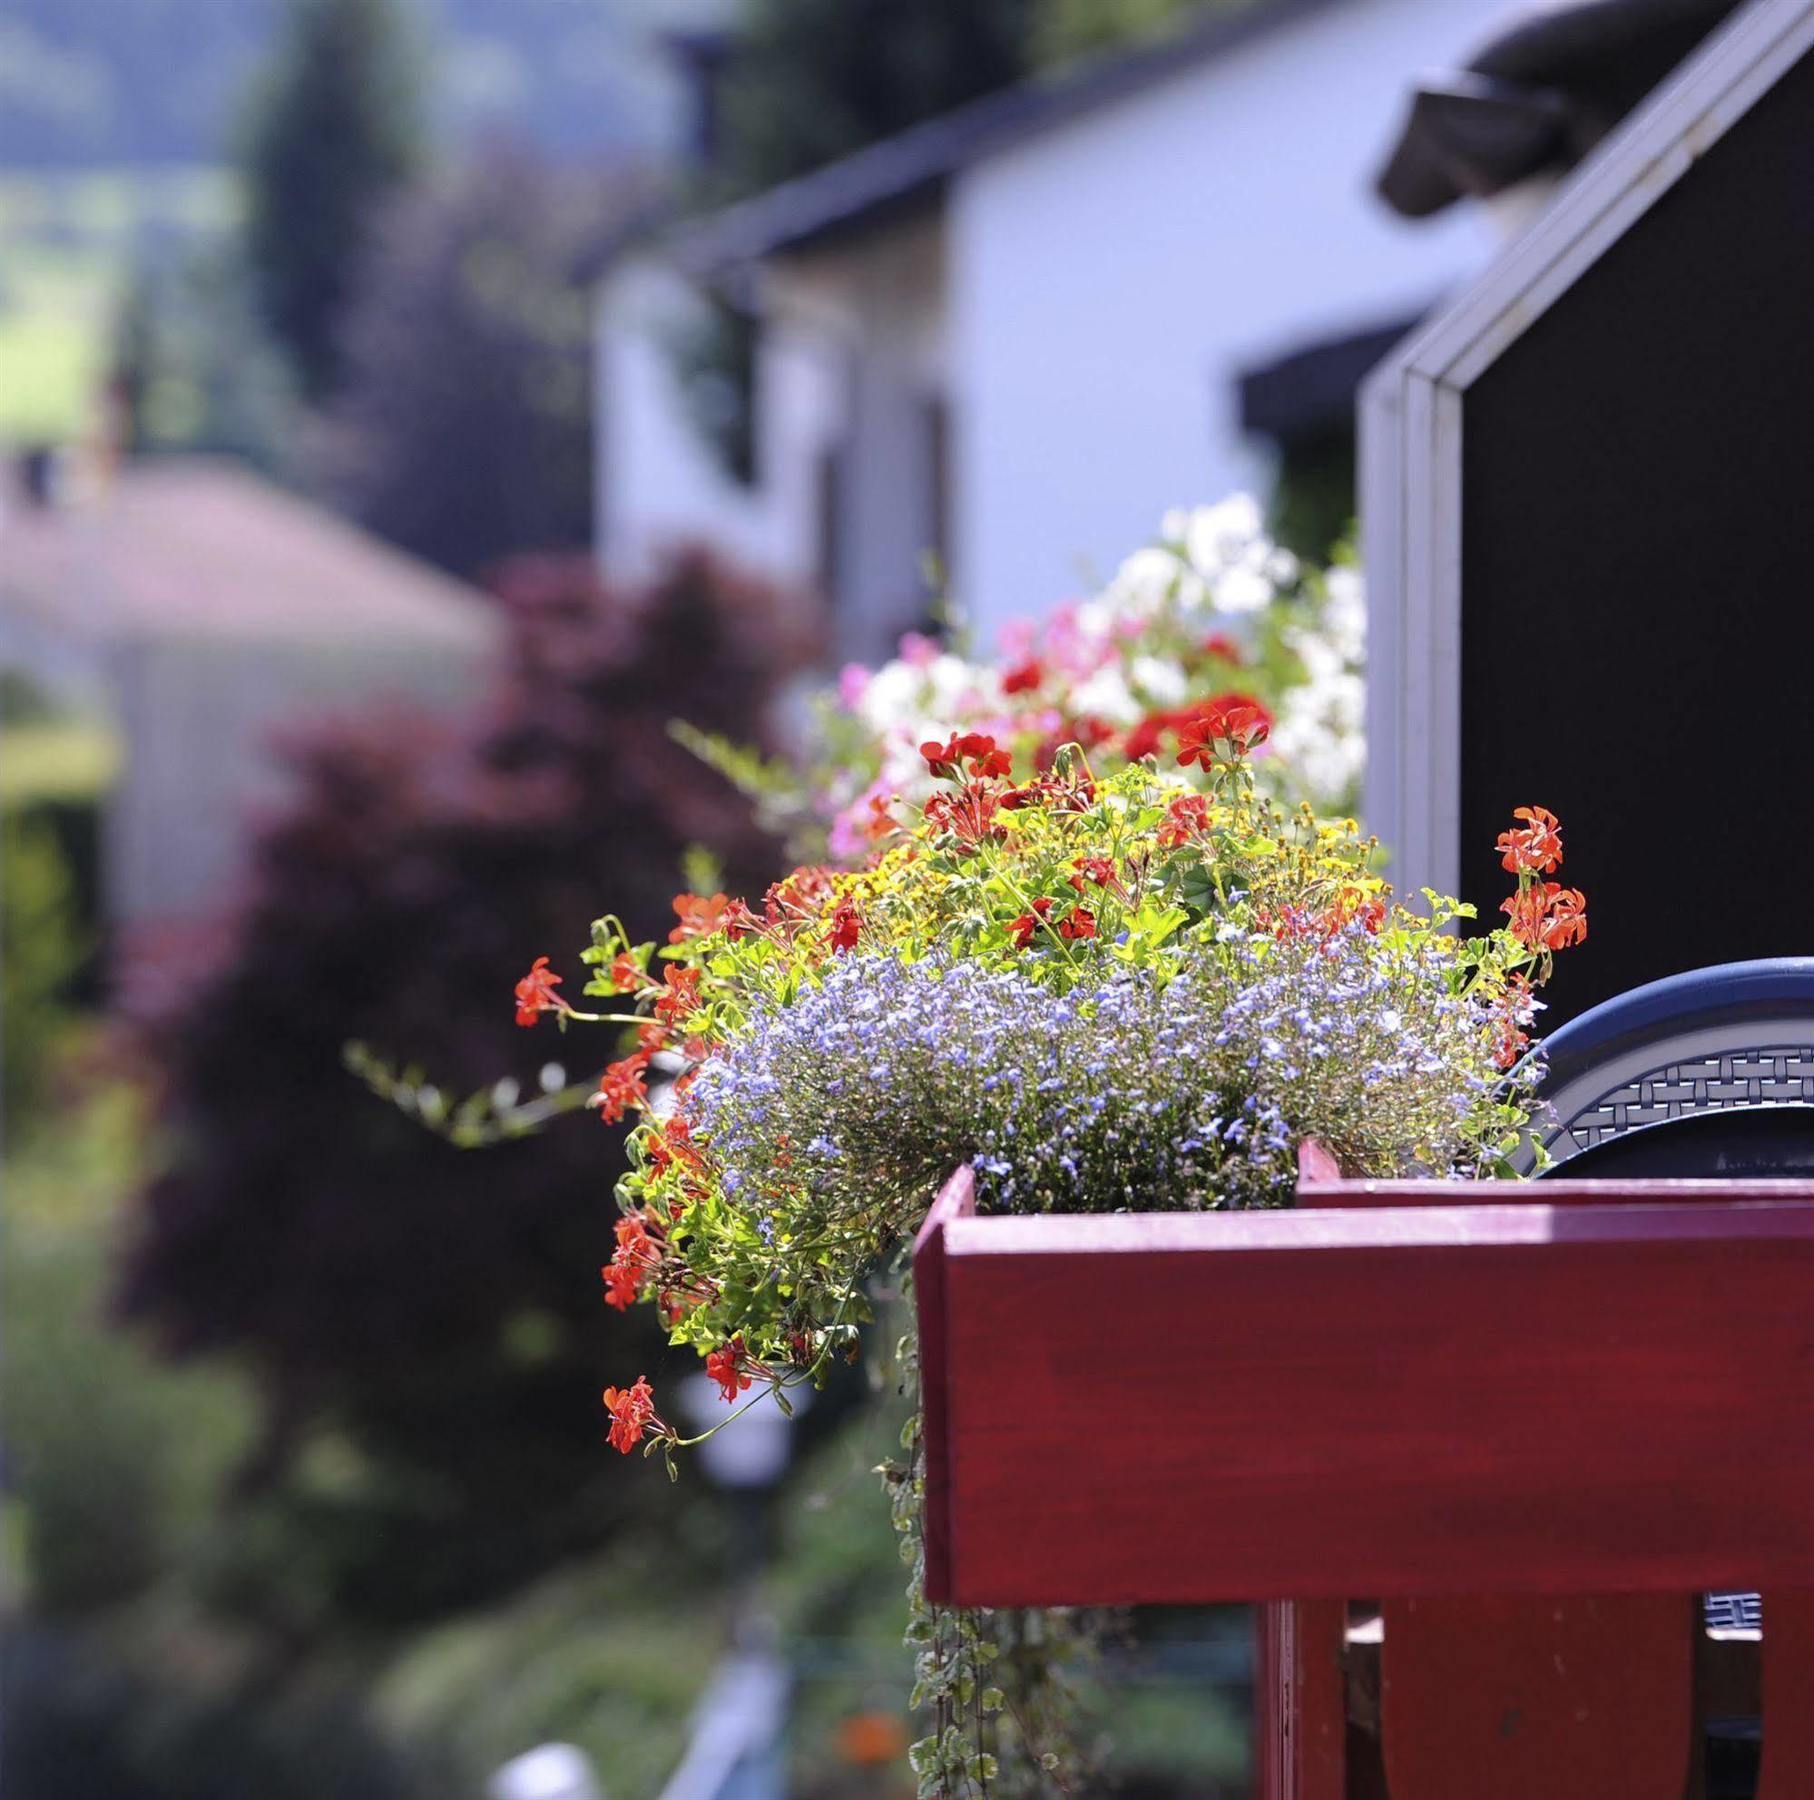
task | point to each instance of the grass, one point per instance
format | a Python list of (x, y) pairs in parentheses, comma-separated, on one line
[(67, 247), (73, 761)]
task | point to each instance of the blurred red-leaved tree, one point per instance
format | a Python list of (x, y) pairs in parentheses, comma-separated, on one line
[(437, 1311)]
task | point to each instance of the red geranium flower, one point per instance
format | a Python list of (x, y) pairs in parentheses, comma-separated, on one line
[(968, 814), (1237, 720), (1080, 922), (1023, 928), (701, 917), (1023, 677), (1220, 644), (1184, 819), (621, 1087), (1098, 869), (680, 995), (1537, 849), (798, 897), (845, 925), (626, 975), (1547, 916), (880, 821), (725, 1367), (632, 1412), (974, 749), (672, 1147), (623, 1281), (535, 993)]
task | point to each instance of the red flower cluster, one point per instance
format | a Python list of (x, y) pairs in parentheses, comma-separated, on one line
[(702, 917), (622, 1087), (1023, 928), (626, 975), (535, 993), (1187, 817), (672, 1147), (1023, 678), (1547, 916), (1298, 924), (1537, 849), (1237, 720), (729, 1368), (1544, 915), (846, 923), (1071, 793), (632, 1411), (974, 750), (968, 814), (637, 1256), (797, 898), (680, 994), (1098, 869), (1079, 922)]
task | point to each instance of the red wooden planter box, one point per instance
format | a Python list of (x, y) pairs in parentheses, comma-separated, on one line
[(1410, 1389), (1537, 1421)]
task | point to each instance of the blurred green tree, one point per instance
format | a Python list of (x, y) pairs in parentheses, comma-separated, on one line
[(813, 79), (462, 428), (333, 129)]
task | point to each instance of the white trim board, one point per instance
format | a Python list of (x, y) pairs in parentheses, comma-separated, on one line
[(1411, 425)]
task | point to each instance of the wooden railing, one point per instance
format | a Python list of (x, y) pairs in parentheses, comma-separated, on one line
[(1540, 1421)]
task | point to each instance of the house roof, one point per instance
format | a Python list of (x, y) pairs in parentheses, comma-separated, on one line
[(1536, 96), (1414, 416), (910, 170), (203, 548), (1310, 390)]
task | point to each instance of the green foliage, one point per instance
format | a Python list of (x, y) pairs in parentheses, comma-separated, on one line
[(817, 78), (1073, 28), (193, 362), (484, 272), (596, 1656), (332, 132), (115, 1463), (41, 952)]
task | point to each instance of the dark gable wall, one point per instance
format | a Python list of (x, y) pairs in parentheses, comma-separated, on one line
[(1638, 575)]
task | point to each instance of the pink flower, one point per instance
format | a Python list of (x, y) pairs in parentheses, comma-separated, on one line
[(918, 650), (853, 684), (1016, 639)]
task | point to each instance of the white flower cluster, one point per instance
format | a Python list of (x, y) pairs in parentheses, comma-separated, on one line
[(1320, 731), (1118, 657)]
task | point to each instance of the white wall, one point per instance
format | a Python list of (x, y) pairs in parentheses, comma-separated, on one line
[(659, 482), (877, 306), (1111, 278)]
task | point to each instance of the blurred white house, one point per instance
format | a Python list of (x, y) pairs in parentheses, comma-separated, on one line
[(196, 611), (1014, 335)]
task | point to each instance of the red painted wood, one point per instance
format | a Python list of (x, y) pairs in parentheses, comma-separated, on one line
[(1316, 1191), (1394, 1400), (1788, 1764), (1301, 1701), (1570, 1698), (956, 1200)]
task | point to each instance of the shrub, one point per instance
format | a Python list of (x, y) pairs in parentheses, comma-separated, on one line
[(426, 1326)]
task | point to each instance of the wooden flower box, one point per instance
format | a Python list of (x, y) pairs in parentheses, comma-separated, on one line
[(1427, 1391)]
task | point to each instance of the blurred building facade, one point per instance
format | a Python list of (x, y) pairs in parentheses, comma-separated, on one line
[(1013, 335), (198, 611)]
